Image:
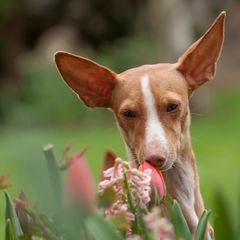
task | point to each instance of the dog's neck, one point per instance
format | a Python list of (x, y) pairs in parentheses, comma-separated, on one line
[(186, 152)]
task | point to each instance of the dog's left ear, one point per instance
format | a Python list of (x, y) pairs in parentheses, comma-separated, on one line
[(92, 82), (198, 63)]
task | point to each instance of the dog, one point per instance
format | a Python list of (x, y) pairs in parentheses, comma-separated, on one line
[(151, 107)]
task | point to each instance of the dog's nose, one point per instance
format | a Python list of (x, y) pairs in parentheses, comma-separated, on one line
[(156, 160)]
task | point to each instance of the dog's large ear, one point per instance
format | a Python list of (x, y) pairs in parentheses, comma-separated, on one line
[(92, 82), (198, 63)]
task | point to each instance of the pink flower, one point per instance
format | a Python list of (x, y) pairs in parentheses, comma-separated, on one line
[(161, 227), (79, 183), (157, 179), (112, 177), (119, 208), (138, 184)]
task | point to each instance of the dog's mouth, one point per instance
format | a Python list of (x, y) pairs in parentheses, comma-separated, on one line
[(167, 165)]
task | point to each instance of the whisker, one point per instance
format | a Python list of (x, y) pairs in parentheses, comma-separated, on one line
[(196, 114)]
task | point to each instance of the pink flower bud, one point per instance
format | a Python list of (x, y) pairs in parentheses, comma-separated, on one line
[(157, 179), (79, 183), (24, 218)]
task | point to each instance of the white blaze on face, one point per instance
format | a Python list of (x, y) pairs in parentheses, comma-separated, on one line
[(155, 139)]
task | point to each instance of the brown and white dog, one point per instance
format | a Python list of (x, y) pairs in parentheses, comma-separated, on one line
[(151, 106)]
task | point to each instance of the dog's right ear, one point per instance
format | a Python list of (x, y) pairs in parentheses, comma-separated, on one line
[(198, 63), (92, 82)]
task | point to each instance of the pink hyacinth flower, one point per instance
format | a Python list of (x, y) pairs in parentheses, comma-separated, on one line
[(157, 179), (79, 183)]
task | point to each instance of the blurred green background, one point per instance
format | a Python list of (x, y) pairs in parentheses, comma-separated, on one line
[(37, 108)]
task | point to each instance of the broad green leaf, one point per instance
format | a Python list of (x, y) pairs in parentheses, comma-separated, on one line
[(100, 229), (202, 224), (11, 214), (9, 230), (180, 225)]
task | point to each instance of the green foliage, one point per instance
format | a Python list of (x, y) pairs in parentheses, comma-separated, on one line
[(70, 222), (179, 223), (100, 229), (202, 224), (76, 222), (44, 98), (11, 215), (9, 235), (155, 200), (107, 198), (181, 228), (54, 174), (6, 8)]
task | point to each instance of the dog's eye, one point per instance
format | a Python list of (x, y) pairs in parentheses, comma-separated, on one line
[(171, 107), (129, 114)]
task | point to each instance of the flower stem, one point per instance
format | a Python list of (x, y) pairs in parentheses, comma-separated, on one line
[(130, 202), (144, 232)]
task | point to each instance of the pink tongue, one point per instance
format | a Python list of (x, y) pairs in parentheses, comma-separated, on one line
[(157, 179)]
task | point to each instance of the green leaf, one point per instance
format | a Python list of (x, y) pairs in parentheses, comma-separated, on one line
[(100, 229), (180, 225), (27, 238), (155, 199), (9, 235), (119, 221), (11, 214), (143, 230), (54, 174), (202, 224), (107, 198)]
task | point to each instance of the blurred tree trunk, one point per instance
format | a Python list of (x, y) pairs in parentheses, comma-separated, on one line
[(170, 23), (13, 46)]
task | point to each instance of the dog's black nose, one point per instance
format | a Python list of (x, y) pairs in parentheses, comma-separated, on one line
[(156, 160)]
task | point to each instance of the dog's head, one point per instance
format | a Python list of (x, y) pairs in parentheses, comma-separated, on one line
[(150, 102)]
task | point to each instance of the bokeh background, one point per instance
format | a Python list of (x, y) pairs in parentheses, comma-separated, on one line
[(37, 108)]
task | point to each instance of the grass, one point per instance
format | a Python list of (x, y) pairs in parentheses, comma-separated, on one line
[(215, 138)]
